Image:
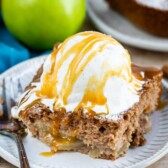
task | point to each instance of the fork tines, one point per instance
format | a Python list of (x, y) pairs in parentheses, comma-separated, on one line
[(4, 100), (11, 89)]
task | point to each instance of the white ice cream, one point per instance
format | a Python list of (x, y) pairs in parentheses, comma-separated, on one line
[(105, 84)]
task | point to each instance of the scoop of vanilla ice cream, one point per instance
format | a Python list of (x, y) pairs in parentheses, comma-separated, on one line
[(89, 70)]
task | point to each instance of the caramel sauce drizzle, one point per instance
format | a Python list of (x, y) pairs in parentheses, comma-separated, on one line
[(47, 154), (149, 72), (94, 92), (25, 98), (83, 54), (23, 113), (49, 81), (60, 140)]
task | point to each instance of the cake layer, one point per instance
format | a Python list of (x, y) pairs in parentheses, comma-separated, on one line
[(91, 133), (148, 17)]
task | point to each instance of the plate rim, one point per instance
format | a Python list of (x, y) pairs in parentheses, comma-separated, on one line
[(13, 160), (38, 57), (138, 43)]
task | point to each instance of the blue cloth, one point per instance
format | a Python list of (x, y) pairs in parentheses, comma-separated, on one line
[(11, 51)]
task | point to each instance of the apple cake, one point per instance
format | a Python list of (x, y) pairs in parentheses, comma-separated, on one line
[(150, 15), (114, 113)]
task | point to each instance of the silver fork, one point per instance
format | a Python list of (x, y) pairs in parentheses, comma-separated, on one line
[(9, 126)]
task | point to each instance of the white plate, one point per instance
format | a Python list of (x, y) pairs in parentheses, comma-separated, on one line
[(110, 22), (156, 147)]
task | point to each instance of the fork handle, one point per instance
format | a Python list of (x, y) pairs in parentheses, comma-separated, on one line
[(22, 154)]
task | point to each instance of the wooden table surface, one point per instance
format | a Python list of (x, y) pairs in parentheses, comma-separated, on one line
[(141, 57)]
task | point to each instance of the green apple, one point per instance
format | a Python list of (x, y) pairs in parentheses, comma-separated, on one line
[(41, 23)]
